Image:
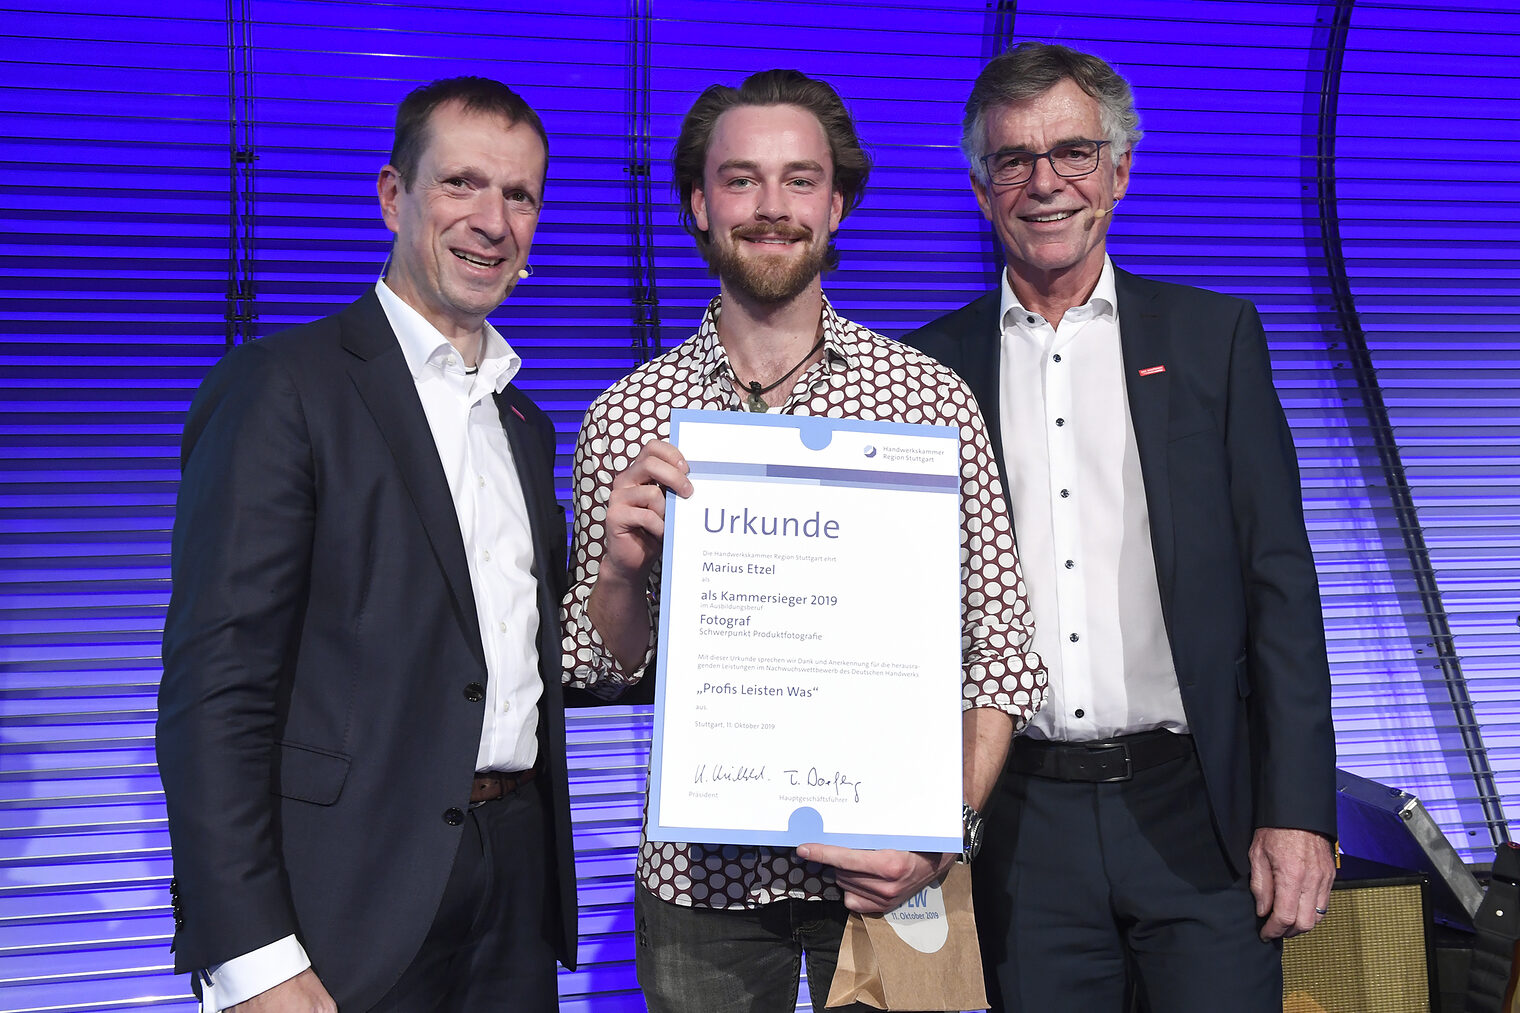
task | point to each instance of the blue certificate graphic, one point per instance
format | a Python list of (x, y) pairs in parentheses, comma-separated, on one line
[(809, 668)]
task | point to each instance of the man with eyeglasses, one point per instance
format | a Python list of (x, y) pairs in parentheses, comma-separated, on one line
[(1167, 818)]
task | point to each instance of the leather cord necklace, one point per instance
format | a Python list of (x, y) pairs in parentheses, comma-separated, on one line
[(754, 394)]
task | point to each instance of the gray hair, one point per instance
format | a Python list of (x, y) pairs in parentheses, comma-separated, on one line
[(1032, 68)]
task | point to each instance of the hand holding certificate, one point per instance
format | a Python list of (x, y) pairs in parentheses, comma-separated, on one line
[(809, 673)]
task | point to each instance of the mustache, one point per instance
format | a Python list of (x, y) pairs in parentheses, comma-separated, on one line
[(787, 232)]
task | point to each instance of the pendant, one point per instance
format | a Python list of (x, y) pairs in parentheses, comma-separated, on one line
[(753, 401)]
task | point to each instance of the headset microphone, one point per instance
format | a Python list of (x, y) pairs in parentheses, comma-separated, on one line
[(1108, 210)]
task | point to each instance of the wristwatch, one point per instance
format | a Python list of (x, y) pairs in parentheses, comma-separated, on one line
[(971, 827)]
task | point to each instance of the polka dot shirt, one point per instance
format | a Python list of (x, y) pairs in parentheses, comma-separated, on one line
[(862, 376)]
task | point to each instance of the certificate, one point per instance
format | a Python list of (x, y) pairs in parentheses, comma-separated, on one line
[(809, 674)]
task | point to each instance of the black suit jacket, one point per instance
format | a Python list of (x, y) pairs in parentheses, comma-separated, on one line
[(315, 736), (1238, 587)]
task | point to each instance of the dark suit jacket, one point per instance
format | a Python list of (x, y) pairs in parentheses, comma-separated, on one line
[(315, 736), (1238, 587)]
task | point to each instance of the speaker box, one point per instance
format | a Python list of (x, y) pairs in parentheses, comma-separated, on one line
[(1371, 953)]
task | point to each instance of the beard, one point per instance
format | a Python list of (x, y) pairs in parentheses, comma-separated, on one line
[(767, 280)]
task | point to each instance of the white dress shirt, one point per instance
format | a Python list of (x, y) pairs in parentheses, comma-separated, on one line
[(1083, 529), (493, 520)]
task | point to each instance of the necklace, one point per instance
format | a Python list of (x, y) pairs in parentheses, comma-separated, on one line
[(754, 399)]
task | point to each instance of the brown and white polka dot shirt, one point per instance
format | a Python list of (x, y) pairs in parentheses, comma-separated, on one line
[(861, 376)]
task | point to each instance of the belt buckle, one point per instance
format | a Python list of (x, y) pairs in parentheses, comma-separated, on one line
[(1129, 764)]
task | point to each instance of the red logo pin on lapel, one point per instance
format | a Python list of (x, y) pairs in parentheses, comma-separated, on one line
[(517, 413), (1152, 370)]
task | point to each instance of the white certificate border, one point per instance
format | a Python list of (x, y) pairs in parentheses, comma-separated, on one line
[(654, 829)]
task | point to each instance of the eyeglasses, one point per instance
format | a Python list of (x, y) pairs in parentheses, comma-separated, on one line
[(1070, 161)]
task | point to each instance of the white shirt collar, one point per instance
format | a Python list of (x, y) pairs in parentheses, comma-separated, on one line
[(1102, 302), (425, 347)]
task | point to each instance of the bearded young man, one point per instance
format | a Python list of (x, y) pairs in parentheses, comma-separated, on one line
[(766, 172)]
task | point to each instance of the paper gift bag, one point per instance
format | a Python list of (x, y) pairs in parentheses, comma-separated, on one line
[(921, 956)]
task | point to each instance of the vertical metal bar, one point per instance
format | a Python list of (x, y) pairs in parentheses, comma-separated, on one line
[(1338, 15), (1001, 16), (646, 301), (1000, 35), (229, 294), (240, 313)]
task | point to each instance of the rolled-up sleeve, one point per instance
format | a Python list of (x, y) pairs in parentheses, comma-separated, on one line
[(588, 664), (1000, 668)]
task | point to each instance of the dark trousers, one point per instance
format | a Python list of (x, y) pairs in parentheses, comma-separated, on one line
[(1082, 890), (488, 948), (700, 960)]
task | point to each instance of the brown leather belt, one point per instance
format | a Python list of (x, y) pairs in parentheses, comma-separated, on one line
[(1116, 759), (490, 785)]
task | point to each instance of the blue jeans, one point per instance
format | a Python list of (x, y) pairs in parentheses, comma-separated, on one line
[(737, 960)]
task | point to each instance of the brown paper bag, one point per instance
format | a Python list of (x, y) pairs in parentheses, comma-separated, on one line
[(921, 956)]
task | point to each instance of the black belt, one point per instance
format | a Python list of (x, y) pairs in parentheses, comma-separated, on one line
[(1116, 759), (490, 785)]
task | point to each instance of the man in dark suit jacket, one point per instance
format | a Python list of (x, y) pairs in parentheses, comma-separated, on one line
[(361, 727), (1167, 818)]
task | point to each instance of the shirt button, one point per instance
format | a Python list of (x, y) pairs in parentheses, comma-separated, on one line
[(474, 692), (1070, 564), (453, 817), (1065, 493), (506, 705), (1031, 318), (501, 627), (450, 360), (1056, 357), (1074, 638), (1079, 712), (1060, 422), (486, 555), (481, 481)]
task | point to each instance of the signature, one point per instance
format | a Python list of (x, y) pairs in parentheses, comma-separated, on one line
[(840, 782), (721, 772)]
